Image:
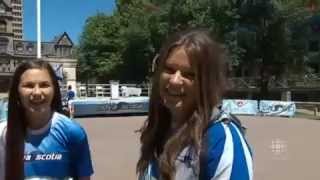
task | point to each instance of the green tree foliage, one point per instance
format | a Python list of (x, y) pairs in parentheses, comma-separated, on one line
[(266, 35), (135, 34), (122, 45), (273, 34), (100, 47)]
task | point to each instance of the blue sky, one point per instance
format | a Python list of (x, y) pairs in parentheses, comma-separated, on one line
[(58, 16)]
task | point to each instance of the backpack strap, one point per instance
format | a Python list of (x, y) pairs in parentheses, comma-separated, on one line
[(226, 118), (220, 117)]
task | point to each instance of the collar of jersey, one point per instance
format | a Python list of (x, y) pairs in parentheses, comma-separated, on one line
[(218, 115), (43, 129)]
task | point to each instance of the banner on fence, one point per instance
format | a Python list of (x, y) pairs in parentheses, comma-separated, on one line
[(277, 108), (240, 106), (105, 106), (89, 106)]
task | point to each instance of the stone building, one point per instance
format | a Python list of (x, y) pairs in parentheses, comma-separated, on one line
[(14, 50)]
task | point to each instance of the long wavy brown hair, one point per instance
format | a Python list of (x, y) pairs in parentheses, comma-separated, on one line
[(16, 124), (157, 140)]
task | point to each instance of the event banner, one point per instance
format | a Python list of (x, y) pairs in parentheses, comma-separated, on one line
[(105, 106), (240, 106), (277, 108)]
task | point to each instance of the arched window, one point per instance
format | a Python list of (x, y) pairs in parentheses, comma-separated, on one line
[(3, 26), (3, 44), (2, 9), (19, 46), (30, 47)]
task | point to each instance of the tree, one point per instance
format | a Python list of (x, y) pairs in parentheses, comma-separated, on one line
[(99, 49), (263, 33), (116, 46), (266, 33)]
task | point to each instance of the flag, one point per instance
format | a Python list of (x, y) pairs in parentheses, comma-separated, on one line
[(58, 69)]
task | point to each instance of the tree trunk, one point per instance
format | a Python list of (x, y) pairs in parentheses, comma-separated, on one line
[(264, 82)]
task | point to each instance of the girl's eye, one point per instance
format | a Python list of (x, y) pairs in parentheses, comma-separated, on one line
[(189, 75), (44, 85), (168, 70), (28, 85)]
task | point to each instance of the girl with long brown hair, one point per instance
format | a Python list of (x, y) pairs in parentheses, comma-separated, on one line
[(186, 135), (37, 141)]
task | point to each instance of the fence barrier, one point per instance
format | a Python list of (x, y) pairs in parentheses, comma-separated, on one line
[(104, 90), (263, 107), (235, 106)]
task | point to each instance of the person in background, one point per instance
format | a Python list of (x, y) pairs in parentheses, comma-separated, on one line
[(70, 93), (37, 141), (186, 136), (67, 105)]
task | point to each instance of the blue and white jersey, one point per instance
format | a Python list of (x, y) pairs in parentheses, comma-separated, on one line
[(226, 156), (70, 95), (59, 150)]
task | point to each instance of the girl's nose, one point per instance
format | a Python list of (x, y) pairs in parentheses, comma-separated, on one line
[(36, 90), (36, 93), (176, 78)]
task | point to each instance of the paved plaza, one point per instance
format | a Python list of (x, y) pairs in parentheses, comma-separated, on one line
[(284, 148)]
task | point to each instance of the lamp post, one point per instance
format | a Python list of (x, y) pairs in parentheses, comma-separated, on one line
[(38, 29)]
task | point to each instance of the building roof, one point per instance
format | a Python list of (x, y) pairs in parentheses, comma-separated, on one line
[(63, 40), (29, 48)]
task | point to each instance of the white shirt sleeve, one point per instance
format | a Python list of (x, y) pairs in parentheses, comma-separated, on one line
[(3, 126)]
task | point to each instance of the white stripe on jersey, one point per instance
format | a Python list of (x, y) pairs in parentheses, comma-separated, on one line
[(224, 168), (246, 152), (3, 126), (149, 172)]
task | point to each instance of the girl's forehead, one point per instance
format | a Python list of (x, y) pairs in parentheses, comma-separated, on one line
[(178, 57), (36, 74), (36, 71)]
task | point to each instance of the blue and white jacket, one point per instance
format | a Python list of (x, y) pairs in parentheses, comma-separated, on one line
[(225, 155)]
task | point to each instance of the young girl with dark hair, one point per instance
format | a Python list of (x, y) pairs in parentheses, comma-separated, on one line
[(37, 141)]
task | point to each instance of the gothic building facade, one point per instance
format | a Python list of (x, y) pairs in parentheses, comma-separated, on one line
[(14, 50)]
